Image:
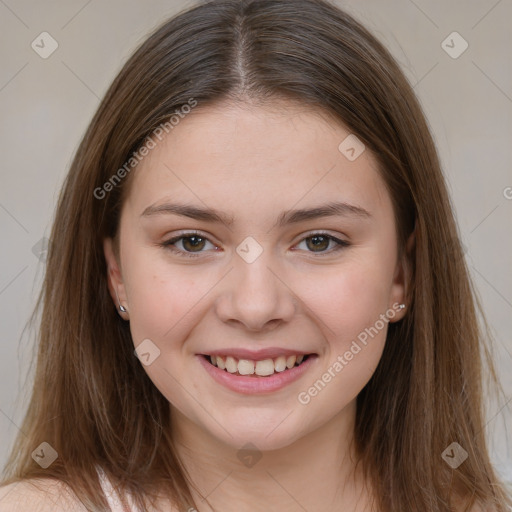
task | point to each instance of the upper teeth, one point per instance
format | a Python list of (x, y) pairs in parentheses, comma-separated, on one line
[(262, 368)]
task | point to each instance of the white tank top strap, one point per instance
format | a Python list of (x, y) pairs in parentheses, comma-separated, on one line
[(113, 498)]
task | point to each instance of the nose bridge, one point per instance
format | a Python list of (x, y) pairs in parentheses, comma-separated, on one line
[(255, 279), (255, 293)]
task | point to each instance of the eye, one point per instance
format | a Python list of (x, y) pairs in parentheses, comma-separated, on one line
[(192, 244), (319, 242)]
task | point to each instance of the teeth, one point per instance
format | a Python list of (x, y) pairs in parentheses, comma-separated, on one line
[(280, 364), (265, 367), (290, 362), (245, 367), (262, 368), (231, 365)]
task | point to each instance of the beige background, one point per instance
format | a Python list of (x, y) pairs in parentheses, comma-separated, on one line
[(46, 104)]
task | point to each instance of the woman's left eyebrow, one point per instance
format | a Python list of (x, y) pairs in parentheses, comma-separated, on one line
[(332, 209)]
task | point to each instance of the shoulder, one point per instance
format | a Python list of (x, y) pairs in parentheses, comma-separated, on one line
[(39, 495), (50, 495)]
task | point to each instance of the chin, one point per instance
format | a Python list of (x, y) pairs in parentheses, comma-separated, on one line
[(266, 436)]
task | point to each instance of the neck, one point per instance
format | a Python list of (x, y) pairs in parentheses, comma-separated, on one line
[(317, 471)]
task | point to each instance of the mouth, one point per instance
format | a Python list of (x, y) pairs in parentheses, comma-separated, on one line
[(257, 373), (263, 368)]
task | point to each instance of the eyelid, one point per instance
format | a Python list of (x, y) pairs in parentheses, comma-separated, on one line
[(189, 232), (319, 232)]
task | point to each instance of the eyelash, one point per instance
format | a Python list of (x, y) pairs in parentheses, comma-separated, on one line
[(341, 244)]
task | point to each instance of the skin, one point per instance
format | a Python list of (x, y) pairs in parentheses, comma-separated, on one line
[(254, 162)]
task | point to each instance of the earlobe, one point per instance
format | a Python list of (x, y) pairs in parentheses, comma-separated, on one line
[(114, 278)]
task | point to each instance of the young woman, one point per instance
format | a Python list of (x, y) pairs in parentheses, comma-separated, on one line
[(256, 298)]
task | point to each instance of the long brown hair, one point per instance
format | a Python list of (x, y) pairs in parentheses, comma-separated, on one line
[(93, 402)]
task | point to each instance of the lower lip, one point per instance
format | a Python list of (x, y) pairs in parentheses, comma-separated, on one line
[(254, 384)]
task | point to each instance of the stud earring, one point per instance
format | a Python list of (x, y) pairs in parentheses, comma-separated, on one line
[(121, 307), (401, 306)]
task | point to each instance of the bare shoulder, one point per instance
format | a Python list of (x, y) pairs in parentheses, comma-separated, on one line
[(39, 495), (50, 495)]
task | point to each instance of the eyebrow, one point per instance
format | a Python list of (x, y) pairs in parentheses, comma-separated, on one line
[(332, 209)]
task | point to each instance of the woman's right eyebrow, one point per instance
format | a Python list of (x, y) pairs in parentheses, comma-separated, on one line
[(332, 209)]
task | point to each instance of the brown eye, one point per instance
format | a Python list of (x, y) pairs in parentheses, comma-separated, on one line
[(319, 243), (192, 244)]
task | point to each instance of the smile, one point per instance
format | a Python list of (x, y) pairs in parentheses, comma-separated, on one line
[(249, 376), (263, 368)]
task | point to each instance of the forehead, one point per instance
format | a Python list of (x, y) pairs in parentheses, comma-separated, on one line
[(251, 158)]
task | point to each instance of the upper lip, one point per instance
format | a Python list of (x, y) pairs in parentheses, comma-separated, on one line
[(256, 355)]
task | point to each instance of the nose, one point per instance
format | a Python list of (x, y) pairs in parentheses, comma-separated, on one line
[(256, 295)]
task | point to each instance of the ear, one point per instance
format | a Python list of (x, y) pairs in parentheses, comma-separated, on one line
[(402, 278), (114, 278)]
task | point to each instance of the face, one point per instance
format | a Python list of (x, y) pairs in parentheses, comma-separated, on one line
[(267, 278)]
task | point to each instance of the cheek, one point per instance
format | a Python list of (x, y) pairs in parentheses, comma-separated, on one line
[(348, 298), (165, 305), (349, 304), (161, 295)]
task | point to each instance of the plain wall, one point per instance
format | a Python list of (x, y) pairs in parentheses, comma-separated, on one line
[(46, 105)]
